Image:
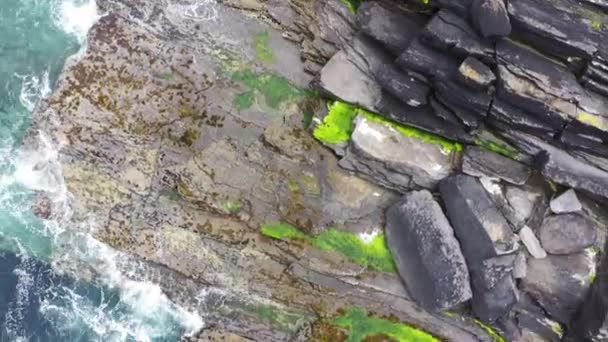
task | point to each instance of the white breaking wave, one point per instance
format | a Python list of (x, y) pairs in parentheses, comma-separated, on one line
[(33, 88), (76, 17)]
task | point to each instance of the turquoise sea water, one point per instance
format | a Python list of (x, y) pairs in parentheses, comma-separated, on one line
[(42, 298)]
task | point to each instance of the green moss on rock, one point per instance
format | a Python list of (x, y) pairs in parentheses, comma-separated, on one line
[(263, 52), (502, 149), (275, 89), (337, 126), (374, 254), (353, 4), (412, 132), (496, 337), (361, 326)]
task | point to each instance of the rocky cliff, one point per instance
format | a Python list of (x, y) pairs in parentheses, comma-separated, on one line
[(453, 187)]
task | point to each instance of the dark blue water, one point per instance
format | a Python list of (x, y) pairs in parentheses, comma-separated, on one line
[(49, 292)]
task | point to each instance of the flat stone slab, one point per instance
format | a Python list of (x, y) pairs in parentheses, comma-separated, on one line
[(567, 233), (482, 230), (393, 159), (479, 162), (426, 252), (473, 73)]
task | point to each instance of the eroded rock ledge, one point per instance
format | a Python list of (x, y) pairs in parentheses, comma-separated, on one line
[(187, 135)]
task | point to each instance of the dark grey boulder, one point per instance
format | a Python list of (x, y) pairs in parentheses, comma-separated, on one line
[(428, 61), (442, 111), (479, 162), (567, 202), (473, 73), (559, 28), (458, 6), (343, 79), (372, 59), (482, 230), (560, 166), (486, 240), (493, 304), (476, 102), (426, 252), (502, 112), (591, 321), (403, 86), (567, 233), (452, 33), (559, 283), (421, 117), (465, 117), (519, 72), (388, 24), (490, 17), (584, 143)]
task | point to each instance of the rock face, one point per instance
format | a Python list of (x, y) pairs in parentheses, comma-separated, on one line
[(426, 252), (190, 142), (567, 234)]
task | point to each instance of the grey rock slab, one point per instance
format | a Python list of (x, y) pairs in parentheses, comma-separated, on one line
[(452, 33), (490, 18), (561, 167), (428, 61), (474, 73), (474, 101), (495, 303), (482, 230), (559, 283), (479, 162), (567, 233), (495, 269), (529, 239), (388, 24), (567, 202), (395, 157), (341, 78), (517, 118), (591, 322), (560, 28), (426, 252)]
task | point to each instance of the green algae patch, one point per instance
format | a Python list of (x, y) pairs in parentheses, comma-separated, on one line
[(502, 149), (412, 132), (353, 4), (373, 254), (282, 231), (361, 326), (596, 25), (263, 52), (275, 89), (337, 126), (496, 337), (277, 317)]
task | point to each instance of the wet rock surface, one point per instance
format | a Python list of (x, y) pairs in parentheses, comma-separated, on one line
[(189, 135)]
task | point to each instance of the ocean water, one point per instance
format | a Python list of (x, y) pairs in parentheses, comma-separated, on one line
[(58, 283)]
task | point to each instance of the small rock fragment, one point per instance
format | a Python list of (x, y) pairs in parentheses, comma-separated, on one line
[(566, 203), (520, 266), (567, 233), (531, 242), (473, 73)]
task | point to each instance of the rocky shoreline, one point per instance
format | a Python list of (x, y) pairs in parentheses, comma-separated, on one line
[(454, 188)]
